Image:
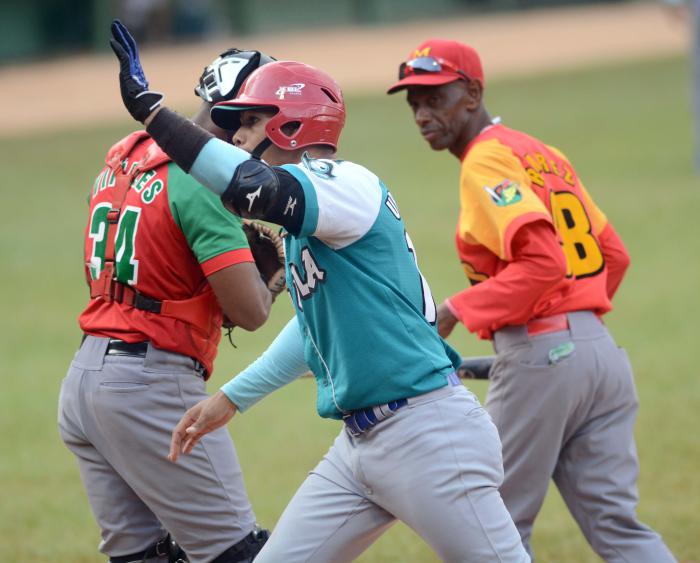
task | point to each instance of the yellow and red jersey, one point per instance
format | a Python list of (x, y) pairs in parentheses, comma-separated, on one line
[(172, 234), (518, 197)]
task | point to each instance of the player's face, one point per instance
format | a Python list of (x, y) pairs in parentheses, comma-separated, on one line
[(252, 132), (442, 114)]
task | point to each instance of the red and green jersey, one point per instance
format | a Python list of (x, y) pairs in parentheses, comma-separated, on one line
[(509, 181), (171, 235)]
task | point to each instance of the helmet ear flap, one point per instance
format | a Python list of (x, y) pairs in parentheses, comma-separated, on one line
[(283, 131), (291, 130)]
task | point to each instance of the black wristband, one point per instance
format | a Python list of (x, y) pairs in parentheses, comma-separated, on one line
[(179, 138)]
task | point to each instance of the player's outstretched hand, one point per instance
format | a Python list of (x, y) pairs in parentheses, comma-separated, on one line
[(138, 99), (206, 416)]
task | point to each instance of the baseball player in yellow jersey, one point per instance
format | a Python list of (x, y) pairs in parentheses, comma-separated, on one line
[(544, 263)]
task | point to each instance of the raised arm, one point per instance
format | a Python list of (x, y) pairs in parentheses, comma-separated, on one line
[(247, 186)]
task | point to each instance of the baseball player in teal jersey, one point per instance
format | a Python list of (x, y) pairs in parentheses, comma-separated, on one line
[(416, 445)]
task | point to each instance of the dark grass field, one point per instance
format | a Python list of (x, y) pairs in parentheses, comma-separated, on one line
[(626, 128)]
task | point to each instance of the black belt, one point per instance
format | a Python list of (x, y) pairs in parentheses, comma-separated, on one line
[(117, 347), (121, 348)]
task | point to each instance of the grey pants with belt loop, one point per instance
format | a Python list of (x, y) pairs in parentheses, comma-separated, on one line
[(116, 414), (565, 405), (434, 464)]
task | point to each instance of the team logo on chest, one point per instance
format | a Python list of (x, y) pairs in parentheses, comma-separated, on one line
[(306, 284)]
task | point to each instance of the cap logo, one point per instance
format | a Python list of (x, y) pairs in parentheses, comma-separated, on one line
[(294, 89), (425, 52)]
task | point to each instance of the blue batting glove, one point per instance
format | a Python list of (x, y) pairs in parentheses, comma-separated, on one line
[(138, 99)]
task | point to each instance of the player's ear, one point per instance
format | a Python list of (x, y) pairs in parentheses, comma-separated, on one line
[(473, 94)]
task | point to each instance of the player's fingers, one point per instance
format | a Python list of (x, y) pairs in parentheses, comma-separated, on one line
[(121, 55), (179, 433), (202, 426), (114, 29), (175, 446), (190, 442), (118, 34), (122, 35)]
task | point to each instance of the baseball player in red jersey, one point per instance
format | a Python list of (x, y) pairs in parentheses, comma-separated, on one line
[(544, 264), (164, 262)]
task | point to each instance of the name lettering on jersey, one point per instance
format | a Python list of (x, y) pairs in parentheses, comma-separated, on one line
[(505, 193), (147, 185), (321, 168), (291, 204), (150, 193), (313, 275), (540, 166), (105, 179), (125, 163), (252, 196), (393, 207), (142, 180)]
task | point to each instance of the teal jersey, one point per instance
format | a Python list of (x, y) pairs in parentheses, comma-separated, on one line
[(366, 313)]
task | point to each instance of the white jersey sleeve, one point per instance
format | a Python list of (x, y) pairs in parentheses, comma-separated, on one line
[(342, 200)]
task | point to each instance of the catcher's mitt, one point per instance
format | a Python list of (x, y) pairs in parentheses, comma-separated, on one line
[(268, 251)]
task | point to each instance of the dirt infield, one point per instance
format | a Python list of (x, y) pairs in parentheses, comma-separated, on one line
[(83, 90)]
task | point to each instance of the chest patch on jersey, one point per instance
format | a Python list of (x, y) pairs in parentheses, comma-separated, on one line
[(505, 193)]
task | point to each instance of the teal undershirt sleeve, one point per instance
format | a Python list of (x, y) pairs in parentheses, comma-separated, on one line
[(216, 164), (282, 362)]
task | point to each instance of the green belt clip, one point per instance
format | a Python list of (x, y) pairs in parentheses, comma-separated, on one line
[(560, 352)]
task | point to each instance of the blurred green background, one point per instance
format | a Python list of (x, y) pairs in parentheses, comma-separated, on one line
[(624, 127), (50, 27)]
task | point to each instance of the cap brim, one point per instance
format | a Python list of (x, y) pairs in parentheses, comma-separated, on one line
[(423, 80), (227, 114)]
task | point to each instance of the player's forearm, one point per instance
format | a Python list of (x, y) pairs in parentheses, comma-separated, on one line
[(210, 161), (509, 298), (617, 260), (281, 363), (499, 301)]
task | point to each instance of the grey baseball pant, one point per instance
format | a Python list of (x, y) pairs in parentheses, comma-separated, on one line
[(435, 465), (116, 414), (569, 415)]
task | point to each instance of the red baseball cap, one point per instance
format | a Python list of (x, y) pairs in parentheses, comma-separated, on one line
[(439, 61)]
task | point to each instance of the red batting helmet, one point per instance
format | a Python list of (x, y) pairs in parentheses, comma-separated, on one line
[(301, 94)]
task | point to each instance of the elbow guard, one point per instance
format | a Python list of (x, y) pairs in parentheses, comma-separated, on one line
[(259, 191), (252, 190)]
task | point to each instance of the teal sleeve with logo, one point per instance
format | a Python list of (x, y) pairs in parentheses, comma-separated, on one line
[(209, 228)]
